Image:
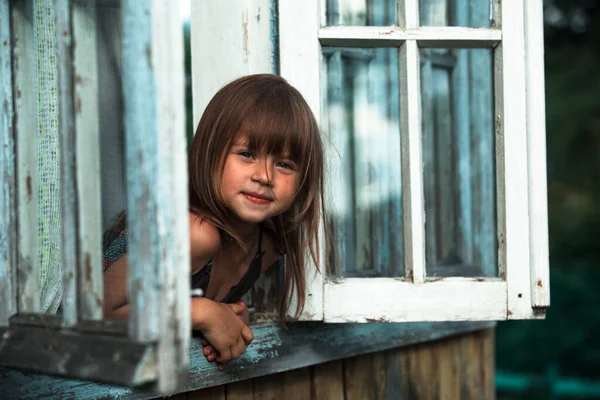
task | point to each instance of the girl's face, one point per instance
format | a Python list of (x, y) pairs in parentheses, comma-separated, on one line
[(259, 186)]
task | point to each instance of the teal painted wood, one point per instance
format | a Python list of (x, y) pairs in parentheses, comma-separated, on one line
[(142, 168), (159, 275), (8, 233), (85, 91), (68, 161), (274, 350), (481, 99), (387, 166), (25, 86), (462, 137)]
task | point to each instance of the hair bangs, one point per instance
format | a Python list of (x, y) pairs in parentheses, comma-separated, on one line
[(277, 124)]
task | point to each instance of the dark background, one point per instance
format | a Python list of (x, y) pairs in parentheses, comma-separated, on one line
[(567, 343)]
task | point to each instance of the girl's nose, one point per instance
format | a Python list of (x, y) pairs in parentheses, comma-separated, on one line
[(263, 174)]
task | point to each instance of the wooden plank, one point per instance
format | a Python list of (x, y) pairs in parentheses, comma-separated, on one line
[(142, 149), (85, 69), (448, 358), (379, 374), (300, 63), (234, 35), (241, 390), (8, 220), (511, 163), (328, 381), (297, 384), (452, 368), (68, 161), (422, 372), (173, 270), (392, 300), (359, 380), (389, 36), (81, 356), (273, 350), (269, 387), (26, 119), (45, 321), (394, 379), (214, 393), (536, 154), (157, 165)]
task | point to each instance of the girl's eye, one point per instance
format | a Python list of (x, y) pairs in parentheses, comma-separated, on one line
[(284, 165), (245, 154)]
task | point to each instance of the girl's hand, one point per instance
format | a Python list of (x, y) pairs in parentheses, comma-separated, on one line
[(209, 351), (222, 328)]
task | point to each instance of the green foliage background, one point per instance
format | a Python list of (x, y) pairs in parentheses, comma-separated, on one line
[(569, 338)]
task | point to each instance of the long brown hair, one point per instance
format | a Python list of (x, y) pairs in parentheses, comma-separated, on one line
[(276, 118)]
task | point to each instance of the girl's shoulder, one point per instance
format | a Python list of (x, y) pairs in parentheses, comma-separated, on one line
[(205, 238)]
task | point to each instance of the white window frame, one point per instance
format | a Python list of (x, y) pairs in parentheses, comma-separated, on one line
[(521, 291)]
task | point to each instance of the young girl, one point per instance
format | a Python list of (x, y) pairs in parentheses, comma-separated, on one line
[(255, 193)]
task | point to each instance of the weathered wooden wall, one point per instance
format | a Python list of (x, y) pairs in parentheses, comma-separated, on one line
[(459, 367)]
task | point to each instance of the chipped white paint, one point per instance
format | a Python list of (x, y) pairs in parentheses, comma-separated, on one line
[(442, 37), (175, 324), (68, 160), (392, 300), (159, 283), (502, 300), (511, 162), (536, 152), (413, 202), (26, 118), (229, 39), (85, 70), (8, 234), (301, 66)]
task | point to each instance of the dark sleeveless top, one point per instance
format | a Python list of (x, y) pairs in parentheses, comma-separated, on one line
[(114, 246)]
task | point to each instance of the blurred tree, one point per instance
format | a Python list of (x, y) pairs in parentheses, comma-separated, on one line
[(568, 338)]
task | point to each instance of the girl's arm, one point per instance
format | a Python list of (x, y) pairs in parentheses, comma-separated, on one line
[(204, 243), (218, 322)]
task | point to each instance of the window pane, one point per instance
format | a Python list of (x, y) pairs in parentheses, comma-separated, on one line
[(361, 122), (361, 12), (458, 162), (471, 13)]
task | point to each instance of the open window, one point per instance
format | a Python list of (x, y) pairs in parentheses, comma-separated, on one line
[(434, 113)]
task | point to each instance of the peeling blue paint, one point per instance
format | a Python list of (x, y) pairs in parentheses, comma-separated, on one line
[(274, 35)]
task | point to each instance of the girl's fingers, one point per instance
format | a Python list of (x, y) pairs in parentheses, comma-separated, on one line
[(204, 342)]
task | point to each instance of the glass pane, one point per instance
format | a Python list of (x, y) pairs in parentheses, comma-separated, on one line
[(458, 162), (471, 13), (361, 12), (361, 122)]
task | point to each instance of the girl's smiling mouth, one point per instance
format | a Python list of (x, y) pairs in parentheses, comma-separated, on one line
[(257, 198)]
